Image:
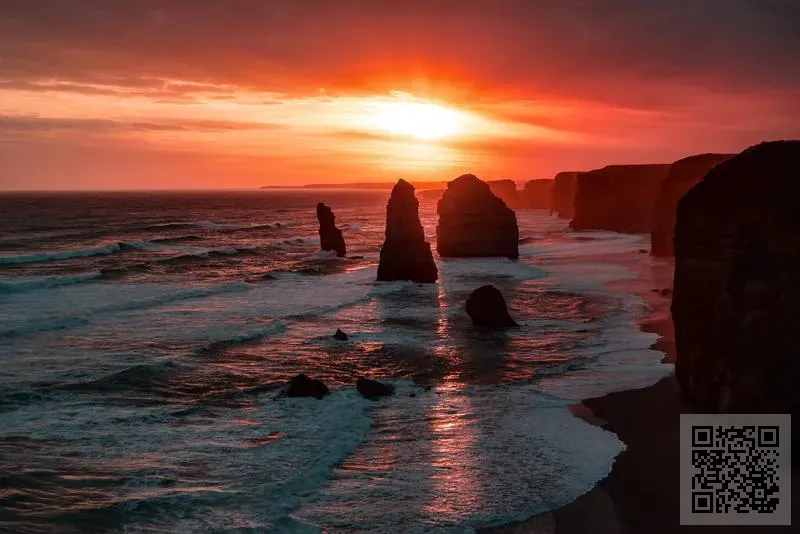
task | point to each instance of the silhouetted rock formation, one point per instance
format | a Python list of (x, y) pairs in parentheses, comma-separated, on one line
[(405, 254), (372, 389), (473, 222), (340, 336), (563, 196), (486, 307), (538, 194), (737, 284), (330, 237), (505, 190), (620, 198), (683, 174), (303, 386)]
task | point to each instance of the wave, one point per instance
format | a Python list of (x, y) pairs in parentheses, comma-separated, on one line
[(267, 330), (61, 255), (213, 225), (146, 377), (25, 284)]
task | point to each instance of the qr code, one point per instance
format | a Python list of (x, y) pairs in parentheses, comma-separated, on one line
[(735, 469)]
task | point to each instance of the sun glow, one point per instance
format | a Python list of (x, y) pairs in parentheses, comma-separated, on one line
[(419, 120)]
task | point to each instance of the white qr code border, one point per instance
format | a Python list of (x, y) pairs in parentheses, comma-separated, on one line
[(735, 469)]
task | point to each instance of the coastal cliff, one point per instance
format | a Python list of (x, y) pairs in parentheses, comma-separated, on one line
[(537, 194), (563, 195)]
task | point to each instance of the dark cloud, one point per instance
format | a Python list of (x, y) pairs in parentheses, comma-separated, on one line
[(580, 47)]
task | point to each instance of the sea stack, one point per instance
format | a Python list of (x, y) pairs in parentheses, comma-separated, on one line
[(330, 237), (737, 284), (537, 194), (405, 254), (620, 198), (473, 222), (506, 190), (683, 174), (563, 195), (487, 307)]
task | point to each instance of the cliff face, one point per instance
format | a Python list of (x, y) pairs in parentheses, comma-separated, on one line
[(330, 237), (683, 174), (474, 222), (537, 194), (737, 284), (405, 254), (505, 190), (563, 195), (620, 198)]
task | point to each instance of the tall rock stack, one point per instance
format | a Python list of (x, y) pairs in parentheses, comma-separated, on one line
[(537, 194), (330, 237), (737, 284), (683, 174), (620, 198), (563, 196), (405, 254), (506, 190), (473, 222)]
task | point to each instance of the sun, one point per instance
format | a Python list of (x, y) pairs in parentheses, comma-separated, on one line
[(420, 120)]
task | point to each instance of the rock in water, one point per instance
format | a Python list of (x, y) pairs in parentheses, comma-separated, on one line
[(737, 284), (330, 237), (538, 194), (473, 222), (563, 196), (339, 335), (373, 389), (506, 190), (486, 307), (405, 254), (683, 174), (620, 198), (303, 386)]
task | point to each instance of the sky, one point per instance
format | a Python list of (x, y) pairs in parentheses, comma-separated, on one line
[(115, 94)]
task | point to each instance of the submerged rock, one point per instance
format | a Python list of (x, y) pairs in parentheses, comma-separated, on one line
[(737, 284), (373, 389), (620, 198), (538, 194), (339, 335), (473, 222), (330, 237), (487, 307), (304, 386), (682, 176), (405, 254), (563, 196)]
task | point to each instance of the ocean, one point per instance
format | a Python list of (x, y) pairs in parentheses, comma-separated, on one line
[(144, 339)]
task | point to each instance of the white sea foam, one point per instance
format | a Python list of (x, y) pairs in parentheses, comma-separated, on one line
[(61, 254)]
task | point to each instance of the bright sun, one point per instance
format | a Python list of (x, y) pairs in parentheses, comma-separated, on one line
[(417, 119)]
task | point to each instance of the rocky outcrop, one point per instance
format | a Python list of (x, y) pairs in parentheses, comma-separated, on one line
[(372, 389), (405, 254), (339, 335), (683, 174), (330, 237), (304, 386), (506, 190), (563, 196), (737, 284), (473, 222), (620, 198), (537, 194), (487, 307)]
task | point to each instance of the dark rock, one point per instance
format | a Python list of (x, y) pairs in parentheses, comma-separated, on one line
[(303, 386), (506, 190), (373, 389), (538, 194), (642, 251), (682, 176), (330, 237), (473, 222), (665, 292), (563, 197), (339, 335), (412, 395), (620, 198), (405, 254), (737, 284), (486, 307)]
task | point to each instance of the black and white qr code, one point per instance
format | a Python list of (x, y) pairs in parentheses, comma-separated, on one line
[(735, 469)]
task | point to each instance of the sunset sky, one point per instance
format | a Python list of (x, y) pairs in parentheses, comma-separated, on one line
[(120, 94)]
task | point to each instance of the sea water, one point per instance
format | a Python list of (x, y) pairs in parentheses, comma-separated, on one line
[(144, 339)]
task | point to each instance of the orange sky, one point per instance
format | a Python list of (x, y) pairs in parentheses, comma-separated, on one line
[(174, 94)]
